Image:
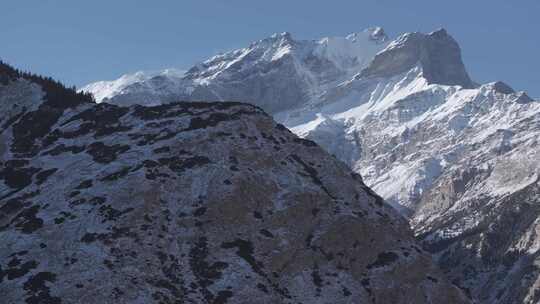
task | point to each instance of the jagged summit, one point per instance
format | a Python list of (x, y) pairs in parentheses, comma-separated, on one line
[(287, 36), (297, 70), (311, 69), (377, 34), (440, 32), (437, 53), (502, 87), (524, 98)]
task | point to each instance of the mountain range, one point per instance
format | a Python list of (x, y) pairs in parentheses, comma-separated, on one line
[(459, 159), (188, 202)]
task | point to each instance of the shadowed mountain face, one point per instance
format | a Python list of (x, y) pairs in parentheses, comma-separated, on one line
[(459, 159), (190, 203)]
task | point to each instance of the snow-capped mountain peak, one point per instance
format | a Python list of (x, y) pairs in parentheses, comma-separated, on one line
[(140, 81), (283, 36), (376, 34), (298, 70), (437, 53), (354, 51)]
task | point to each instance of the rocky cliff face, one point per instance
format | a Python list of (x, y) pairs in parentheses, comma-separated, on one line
[(459, 159), (190, 203), (437, 53)]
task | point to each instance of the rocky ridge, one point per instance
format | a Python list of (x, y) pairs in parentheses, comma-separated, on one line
[(190, 203)]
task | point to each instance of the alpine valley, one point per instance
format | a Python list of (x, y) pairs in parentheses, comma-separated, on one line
[(460, 160)]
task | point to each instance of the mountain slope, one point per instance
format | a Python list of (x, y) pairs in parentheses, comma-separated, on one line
[(145, 83), (462, 162), (295, 70), (460, 159), (191, 203)]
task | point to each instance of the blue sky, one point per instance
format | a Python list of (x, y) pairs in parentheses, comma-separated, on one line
[(83, 41)]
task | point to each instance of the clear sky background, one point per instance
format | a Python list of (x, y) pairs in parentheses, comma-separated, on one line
[(83, 41)]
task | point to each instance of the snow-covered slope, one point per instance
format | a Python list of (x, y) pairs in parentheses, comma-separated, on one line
[(277, 68), (460, 159), (147, 84), (190, 203), (456, 161)]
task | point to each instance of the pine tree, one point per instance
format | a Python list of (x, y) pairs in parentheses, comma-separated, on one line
[(57, 95)]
